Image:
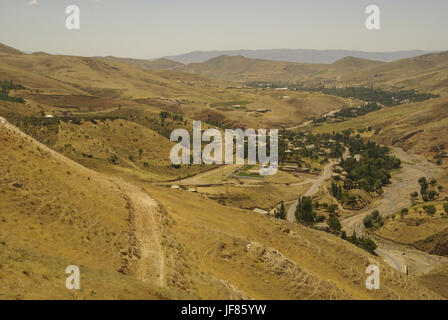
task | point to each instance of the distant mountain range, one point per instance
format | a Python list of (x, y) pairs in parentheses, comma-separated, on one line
[(296, 55)]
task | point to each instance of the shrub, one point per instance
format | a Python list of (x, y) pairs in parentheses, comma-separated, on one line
[(334, 223), (430, 209), (368, 221)]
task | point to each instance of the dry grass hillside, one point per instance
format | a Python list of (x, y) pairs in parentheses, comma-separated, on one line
[(79, 84), (121, 147), (239, 68), (157, 64), (9, 50), (87, 193), (94, 76), (274, 259), (427, 232), (56, 213), (416, 127), (426, 72), (437, 279)]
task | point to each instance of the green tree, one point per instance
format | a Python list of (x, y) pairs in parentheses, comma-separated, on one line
[(281, 212), (432, 194), (431, 209), (333, 223), (304, 211), (368, 221), (423, 186)]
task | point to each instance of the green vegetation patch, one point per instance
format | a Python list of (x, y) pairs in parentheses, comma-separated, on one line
[(6, 86)]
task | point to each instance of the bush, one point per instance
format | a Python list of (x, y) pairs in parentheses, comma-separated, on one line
[(368, 221), (334, 223), (373, 220), (445, 207), (430, 209), (364, 243), (113, 159), (432, 194)]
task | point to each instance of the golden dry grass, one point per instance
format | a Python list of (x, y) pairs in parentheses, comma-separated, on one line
[(56, 213), (274, 259), (415, 226)]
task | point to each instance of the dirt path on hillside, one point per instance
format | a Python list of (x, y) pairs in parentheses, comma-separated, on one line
[(301, 125), (144, 212), (145, 221)]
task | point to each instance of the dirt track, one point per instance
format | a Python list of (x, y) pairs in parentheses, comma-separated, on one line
[(144, 214), (326, 174)]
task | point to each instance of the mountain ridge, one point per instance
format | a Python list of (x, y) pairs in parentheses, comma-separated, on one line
[(296, 55)]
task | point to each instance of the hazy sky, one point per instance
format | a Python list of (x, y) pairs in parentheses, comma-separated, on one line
[(154, 28)]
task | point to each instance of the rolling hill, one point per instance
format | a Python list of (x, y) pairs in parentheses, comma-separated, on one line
[(415, 127), (9, 50), (425, 72), (77, 83), (239, 68), (351, 64), (157, 64), (72, 215), (86, 193), (145, 242)]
